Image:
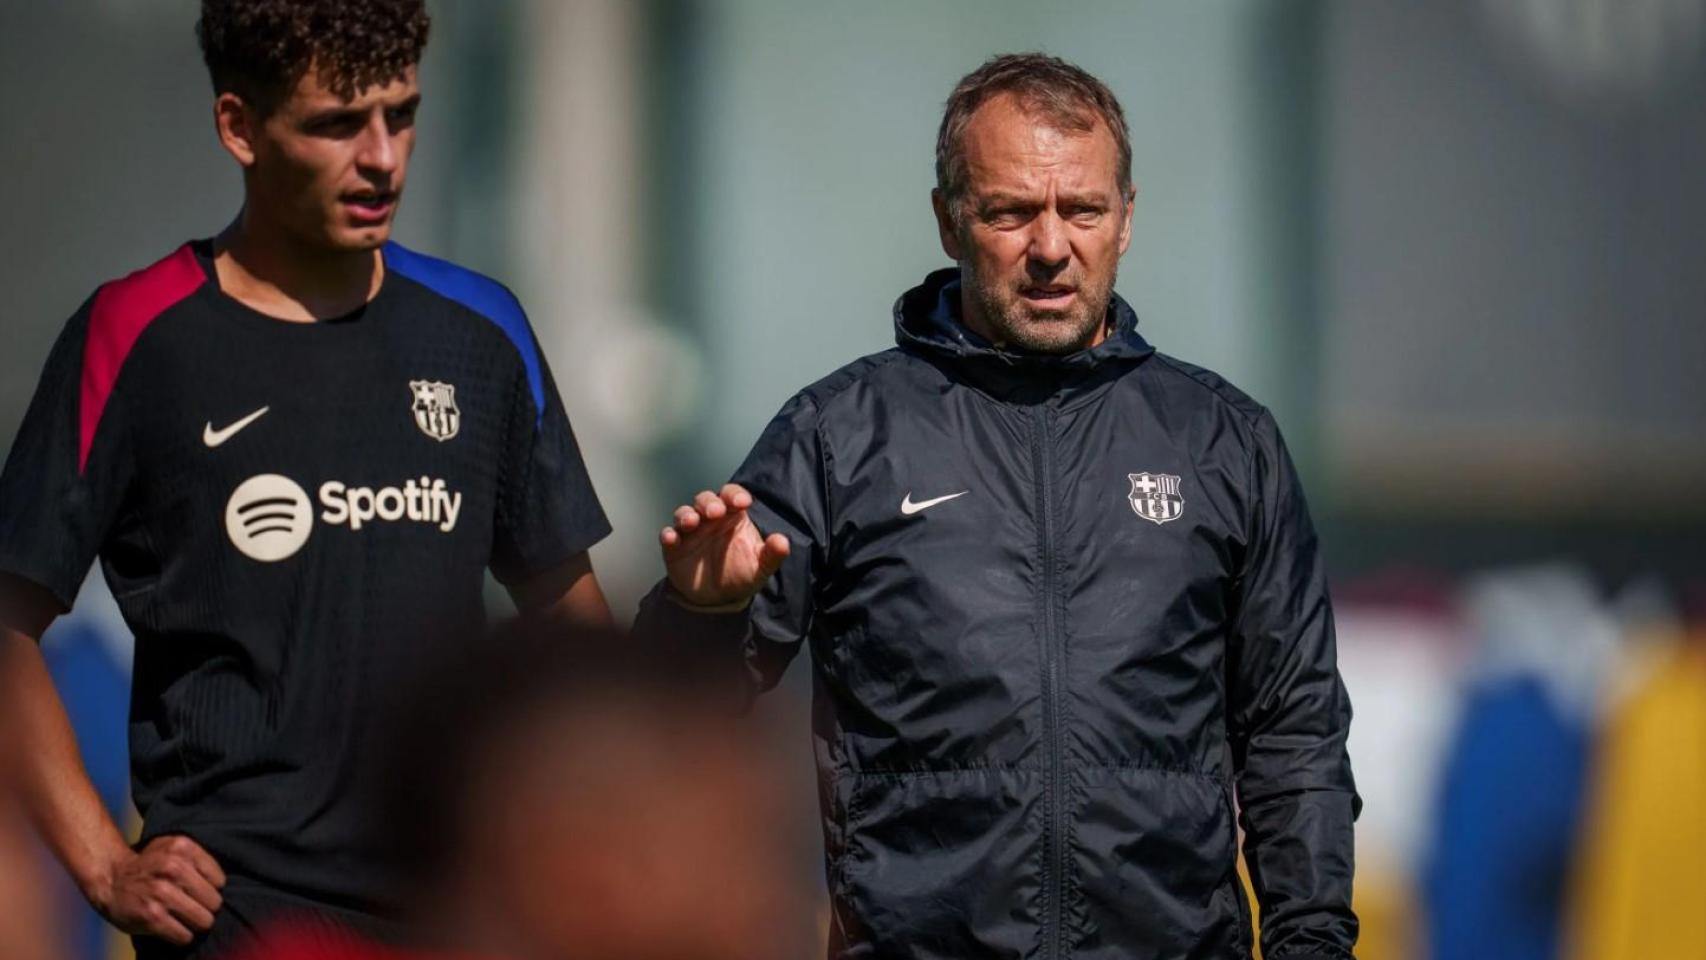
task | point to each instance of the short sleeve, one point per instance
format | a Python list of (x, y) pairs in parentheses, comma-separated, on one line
[(60, 493), (547, 510)]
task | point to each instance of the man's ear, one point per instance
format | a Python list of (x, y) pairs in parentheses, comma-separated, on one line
[(946, 228), (238, 126), (1125, 224)]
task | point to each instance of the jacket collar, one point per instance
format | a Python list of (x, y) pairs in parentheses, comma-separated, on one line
[(927, 322)]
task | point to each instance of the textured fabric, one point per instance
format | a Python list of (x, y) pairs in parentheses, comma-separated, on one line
[(290, 516), (1061, 610)]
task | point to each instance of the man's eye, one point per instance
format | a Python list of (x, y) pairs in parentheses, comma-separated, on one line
[(335, 127)]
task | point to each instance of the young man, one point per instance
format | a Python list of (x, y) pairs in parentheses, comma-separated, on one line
[(1062, 591), (295, 448)]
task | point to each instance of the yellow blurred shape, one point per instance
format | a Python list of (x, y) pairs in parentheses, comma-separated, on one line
[(1640, 890)]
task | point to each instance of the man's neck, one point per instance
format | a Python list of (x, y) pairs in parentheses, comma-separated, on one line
[(270, 272)]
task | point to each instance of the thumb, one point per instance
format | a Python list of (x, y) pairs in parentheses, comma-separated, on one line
[(771, 555)]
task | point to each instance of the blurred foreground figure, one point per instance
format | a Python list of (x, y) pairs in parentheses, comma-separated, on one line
[(296, 448), (563, 798), (1062, 592)]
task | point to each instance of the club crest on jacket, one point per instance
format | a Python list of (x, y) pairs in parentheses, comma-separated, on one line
[(1155, 496)]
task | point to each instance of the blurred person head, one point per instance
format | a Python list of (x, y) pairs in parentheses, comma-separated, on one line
[(1033, 199), (316, 100), (556, 797)]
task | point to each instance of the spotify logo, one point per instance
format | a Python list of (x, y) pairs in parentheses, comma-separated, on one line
[(268, 517)]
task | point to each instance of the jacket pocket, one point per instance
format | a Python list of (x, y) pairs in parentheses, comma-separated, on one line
[(1155, 859), (939, 864)]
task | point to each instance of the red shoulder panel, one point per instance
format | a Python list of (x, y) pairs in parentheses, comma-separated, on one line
[(122, 310)]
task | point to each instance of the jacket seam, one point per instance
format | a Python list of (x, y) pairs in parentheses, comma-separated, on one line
[(1250, 419), (826, 452), (1251, 531), (874, 362), (825, 467)]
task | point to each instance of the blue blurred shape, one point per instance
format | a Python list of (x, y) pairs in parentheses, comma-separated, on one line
[(1512, 797), (95, 688)]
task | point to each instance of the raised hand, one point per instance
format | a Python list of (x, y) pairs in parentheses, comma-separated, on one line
[(169, 889), (714, 554)]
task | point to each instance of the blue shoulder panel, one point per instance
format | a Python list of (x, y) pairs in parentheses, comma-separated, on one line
[(481, 294)]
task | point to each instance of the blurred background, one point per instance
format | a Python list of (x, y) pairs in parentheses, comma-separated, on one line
[(1459, 247)]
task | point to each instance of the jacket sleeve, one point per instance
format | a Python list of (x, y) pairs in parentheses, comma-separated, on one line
[(1289, 717), (786, 477)]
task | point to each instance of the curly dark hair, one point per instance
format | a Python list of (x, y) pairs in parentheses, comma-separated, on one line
[(259, 49), (1060, 93)]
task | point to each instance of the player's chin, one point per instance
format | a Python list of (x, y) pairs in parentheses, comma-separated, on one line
[(358, 239), (1053, 332)]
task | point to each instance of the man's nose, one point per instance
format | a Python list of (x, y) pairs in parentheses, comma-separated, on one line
[(1049, 244), (377, 152)]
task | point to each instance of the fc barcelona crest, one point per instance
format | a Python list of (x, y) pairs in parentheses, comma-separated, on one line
[(435, 408), (1155, 496)]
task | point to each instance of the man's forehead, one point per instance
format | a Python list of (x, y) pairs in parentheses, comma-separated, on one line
[(316, 91), (1007, 142), (1012, 111)]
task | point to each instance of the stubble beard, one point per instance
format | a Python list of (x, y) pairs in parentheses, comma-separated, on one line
[(1016, 323)]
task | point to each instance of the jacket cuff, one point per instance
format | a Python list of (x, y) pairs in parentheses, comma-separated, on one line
[(664, 617), (712, 639)]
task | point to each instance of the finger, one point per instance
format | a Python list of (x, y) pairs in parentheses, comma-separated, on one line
[(710, 505), (201, 889), (770, 558), (669, 538), (735, 496), (686, 518), (202, 861), (184, 907), (160, 923)]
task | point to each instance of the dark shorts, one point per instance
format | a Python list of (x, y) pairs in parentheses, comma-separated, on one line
[(250, 910)]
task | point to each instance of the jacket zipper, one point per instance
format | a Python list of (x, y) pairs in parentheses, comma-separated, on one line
[(1054, 794)]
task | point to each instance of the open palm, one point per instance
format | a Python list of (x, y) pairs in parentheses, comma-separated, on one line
[(714, 554)]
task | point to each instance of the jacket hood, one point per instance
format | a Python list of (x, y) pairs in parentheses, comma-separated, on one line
[(927, 321)]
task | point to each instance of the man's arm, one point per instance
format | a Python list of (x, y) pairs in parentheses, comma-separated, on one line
[(1288, 720), (741, 562), (568, 593), (168, 889)]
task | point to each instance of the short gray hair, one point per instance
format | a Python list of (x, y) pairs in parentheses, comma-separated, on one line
[(1064, 95)]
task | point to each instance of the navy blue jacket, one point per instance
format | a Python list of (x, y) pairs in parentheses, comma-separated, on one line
[(1066, 615)]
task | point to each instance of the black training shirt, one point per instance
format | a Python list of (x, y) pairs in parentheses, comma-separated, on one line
[(291, 516)]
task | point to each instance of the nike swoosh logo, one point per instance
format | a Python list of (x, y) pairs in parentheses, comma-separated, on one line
[(908, 508), (214, 438)]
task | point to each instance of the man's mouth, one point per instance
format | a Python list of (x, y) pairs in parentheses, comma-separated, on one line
[(370, 207), (1049, 296)]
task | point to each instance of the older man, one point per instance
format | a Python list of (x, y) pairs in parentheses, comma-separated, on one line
[(1062, 591)]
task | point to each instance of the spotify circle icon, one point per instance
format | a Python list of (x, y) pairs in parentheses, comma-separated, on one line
[(268, 517)]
